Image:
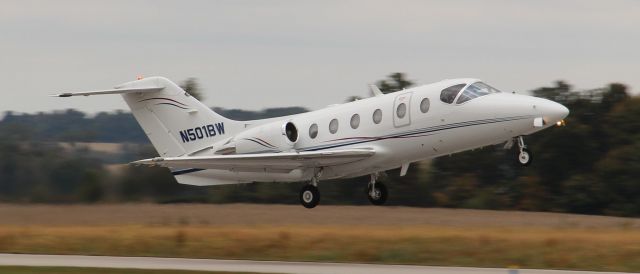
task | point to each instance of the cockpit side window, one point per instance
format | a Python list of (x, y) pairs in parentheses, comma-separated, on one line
[(475, 90), (449, 94)]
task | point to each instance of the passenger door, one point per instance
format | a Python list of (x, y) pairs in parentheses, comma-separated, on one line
[(402, 110)]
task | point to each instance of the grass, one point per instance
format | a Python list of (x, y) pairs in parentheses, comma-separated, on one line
[(83, 270), (606, 249), (399, 235)]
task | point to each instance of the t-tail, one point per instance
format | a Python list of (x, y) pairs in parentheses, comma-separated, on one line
[(176, 123)]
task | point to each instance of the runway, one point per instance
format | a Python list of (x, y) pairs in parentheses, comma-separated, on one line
[(254, 266)]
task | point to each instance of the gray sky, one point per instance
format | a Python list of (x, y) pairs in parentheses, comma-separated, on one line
[(259, 54)]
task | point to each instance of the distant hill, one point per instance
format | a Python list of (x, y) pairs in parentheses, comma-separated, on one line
[(116, 127)]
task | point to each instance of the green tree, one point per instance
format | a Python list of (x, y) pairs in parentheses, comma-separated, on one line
[(192, 87), (553, 93), (616, 93), (396, 81)]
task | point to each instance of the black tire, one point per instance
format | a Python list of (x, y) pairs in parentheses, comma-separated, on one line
[(380, 195), (309, 196), (524, 157)]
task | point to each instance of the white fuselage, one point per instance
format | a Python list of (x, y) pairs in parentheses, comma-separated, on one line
[(364, 137), (401, 139)]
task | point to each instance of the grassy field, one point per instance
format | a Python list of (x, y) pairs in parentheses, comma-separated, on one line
[(82, 270), (327, 233)]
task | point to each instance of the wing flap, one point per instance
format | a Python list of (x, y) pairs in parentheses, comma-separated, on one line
[(278, 161)]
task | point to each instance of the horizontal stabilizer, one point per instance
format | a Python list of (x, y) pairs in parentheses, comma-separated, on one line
[(110, 91), (277, 161)]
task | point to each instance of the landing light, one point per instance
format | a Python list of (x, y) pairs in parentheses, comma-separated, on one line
[(561, 123)]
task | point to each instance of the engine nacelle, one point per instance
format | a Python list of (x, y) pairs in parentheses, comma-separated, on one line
[(272, 137)]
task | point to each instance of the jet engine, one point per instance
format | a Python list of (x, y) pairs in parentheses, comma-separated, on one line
[(273, 137)]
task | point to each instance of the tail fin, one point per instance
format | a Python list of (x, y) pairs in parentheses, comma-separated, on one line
[(175, 122)]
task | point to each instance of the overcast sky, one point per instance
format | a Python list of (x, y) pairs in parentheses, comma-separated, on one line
[(259, 54)]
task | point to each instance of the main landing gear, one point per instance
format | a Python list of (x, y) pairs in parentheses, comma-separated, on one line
[(376, 192), (524, 155), (310, 196)]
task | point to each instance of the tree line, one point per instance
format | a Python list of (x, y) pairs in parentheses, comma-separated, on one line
[(589, 166)]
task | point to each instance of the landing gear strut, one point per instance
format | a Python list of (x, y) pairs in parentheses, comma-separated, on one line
[(376, 192), (309, 194), (524, 155)]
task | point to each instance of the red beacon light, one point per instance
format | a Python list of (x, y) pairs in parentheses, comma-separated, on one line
[(139, 77)]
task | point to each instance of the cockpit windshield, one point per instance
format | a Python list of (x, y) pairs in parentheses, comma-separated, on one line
[(475, 90), (448, 95)]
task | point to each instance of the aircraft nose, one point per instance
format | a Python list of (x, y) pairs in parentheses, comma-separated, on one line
[(554, 112), (563, 111)]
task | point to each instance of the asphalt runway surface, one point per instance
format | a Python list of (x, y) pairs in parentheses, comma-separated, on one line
[(254, 266)]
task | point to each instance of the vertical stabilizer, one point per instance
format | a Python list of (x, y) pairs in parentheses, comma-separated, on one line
[(175, 122)]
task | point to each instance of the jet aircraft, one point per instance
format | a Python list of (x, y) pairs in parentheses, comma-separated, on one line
[(362, 138)]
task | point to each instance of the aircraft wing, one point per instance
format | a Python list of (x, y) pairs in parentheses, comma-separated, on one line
[(276, 161)]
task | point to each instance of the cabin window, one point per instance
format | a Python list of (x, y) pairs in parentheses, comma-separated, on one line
[(377, 116), (355, 121), (449, 94), (333, 126), (313, 131), (401, 111), (424, 105)]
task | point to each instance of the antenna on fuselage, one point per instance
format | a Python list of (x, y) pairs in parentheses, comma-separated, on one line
[(375, 90)]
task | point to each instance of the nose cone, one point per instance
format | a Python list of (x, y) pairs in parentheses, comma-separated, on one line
[(553, 112), (563, 111)]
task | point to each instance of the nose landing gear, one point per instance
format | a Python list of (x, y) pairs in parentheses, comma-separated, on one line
[(524, 156), (376, 192)]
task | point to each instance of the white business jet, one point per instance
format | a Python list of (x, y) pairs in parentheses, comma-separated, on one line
[(364, 137)]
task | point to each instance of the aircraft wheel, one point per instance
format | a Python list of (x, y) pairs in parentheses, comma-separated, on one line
[(525, 157), (309, 196), (377, 195)]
